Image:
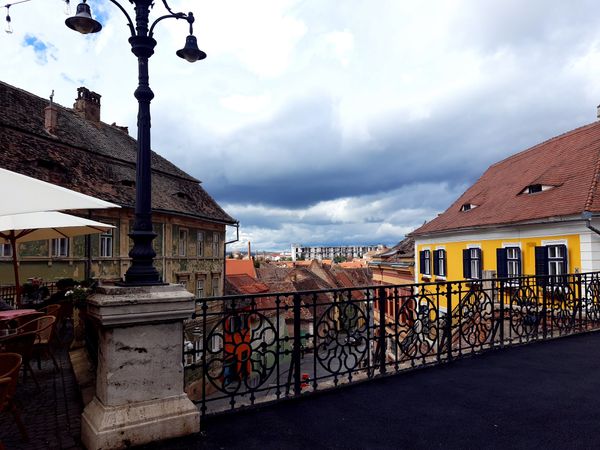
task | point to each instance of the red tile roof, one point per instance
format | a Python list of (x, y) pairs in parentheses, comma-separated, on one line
[(244, 284), (268, 305), (569, 162), (240, 266), (354, 264)]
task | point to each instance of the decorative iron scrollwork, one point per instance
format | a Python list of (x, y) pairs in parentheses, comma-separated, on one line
[(417, 330), (341, 336), (241, 352), (475, 317), (526, 311)]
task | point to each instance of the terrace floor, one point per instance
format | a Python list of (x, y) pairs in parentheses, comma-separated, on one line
[(52, 415), (544, 395)]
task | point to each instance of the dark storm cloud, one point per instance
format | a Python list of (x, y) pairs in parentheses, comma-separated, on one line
[(527, 82), (293, 162)]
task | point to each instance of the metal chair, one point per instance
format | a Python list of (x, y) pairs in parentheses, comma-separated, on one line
[(50, 310), (53, 310), (44, 329), (22, 344), (10, 364), (63, 332), (26, 318)]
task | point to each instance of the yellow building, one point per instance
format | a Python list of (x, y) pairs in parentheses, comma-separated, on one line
[(534, 213)]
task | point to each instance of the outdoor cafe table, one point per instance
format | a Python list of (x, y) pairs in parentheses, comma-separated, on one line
[(14, 313), (11, 314)]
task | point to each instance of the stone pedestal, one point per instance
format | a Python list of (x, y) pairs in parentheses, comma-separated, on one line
[(139, 386)]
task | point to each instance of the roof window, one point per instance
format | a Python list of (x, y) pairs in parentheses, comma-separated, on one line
[(183, 195), (51, 165), (535, 188), (468, 207)]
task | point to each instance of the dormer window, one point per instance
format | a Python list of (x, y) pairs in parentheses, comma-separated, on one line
[(535, 188), (467, 207), (128, 183), (182, 195)]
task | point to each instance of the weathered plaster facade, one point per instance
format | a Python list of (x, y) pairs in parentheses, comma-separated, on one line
[(89, 156)]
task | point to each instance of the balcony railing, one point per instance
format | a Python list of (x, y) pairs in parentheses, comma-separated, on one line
[(8, 293), (242, 351)]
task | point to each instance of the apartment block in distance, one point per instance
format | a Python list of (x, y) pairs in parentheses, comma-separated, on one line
[(320, 253)]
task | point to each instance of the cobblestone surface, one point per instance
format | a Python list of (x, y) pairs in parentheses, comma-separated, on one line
[(52, 415)]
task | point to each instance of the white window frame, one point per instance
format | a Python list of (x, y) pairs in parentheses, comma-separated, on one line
[(215, 243), (216, 342), (200, 243), (442, 266), (475, 262), (510, 268), (201, 287), (182, 250), (428, 264), (57, 249), (6, 250), (215, 284), (106, 243), (553, 262)]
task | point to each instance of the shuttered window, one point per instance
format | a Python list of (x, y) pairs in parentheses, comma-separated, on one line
[(472, 263), (439, 263), (425, 262), (508, 262), (551, 260)]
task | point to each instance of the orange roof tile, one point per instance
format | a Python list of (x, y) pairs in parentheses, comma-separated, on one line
[(354, 264), (569, 162), (240, 266), (245, 284)]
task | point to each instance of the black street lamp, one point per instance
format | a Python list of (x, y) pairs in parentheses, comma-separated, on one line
[(142, 271)]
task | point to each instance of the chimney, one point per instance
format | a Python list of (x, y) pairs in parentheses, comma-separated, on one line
[(51, 116), (119, 127), (88, 104), (249, 251)]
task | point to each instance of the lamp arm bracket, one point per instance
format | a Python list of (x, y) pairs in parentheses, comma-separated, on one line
[(168, 8), (130, 22), (167, 16)]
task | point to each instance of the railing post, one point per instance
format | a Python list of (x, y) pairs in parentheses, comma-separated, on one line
[(501, 314), (382, 332), (205, 381), (544, 307), (448, 323), (578, 294), (296, 356)]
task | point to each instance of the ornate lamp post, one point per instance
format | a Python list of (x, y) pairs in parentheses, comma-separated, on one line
[(142, 271)]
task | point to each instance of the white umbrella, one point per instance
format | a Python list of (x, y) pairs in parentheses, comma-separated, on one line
[(23, 194), (36, 226)]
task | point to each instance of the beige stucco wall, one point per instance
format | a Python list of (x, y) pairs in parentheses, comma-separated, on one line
[(35, 260)]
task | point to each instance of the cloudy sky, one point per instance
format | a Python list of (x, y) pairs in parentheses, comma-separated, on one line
[(321, 121)]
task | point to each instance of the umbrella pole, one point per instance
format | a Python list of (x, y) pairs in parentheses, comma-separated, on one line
[(13, 243)]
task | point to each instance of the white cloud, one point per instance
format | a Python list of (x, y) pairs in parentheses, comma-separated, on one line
[(318, 121), (342, 43), (246, 104)]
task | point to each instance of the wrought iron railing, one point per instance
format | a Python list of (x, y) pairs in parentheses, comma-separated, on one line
[(245, 350), (8, 293)]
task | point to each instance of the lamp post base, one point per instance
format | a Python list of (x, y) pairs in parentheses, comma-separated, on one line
[(112, 427), (139, 380)]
